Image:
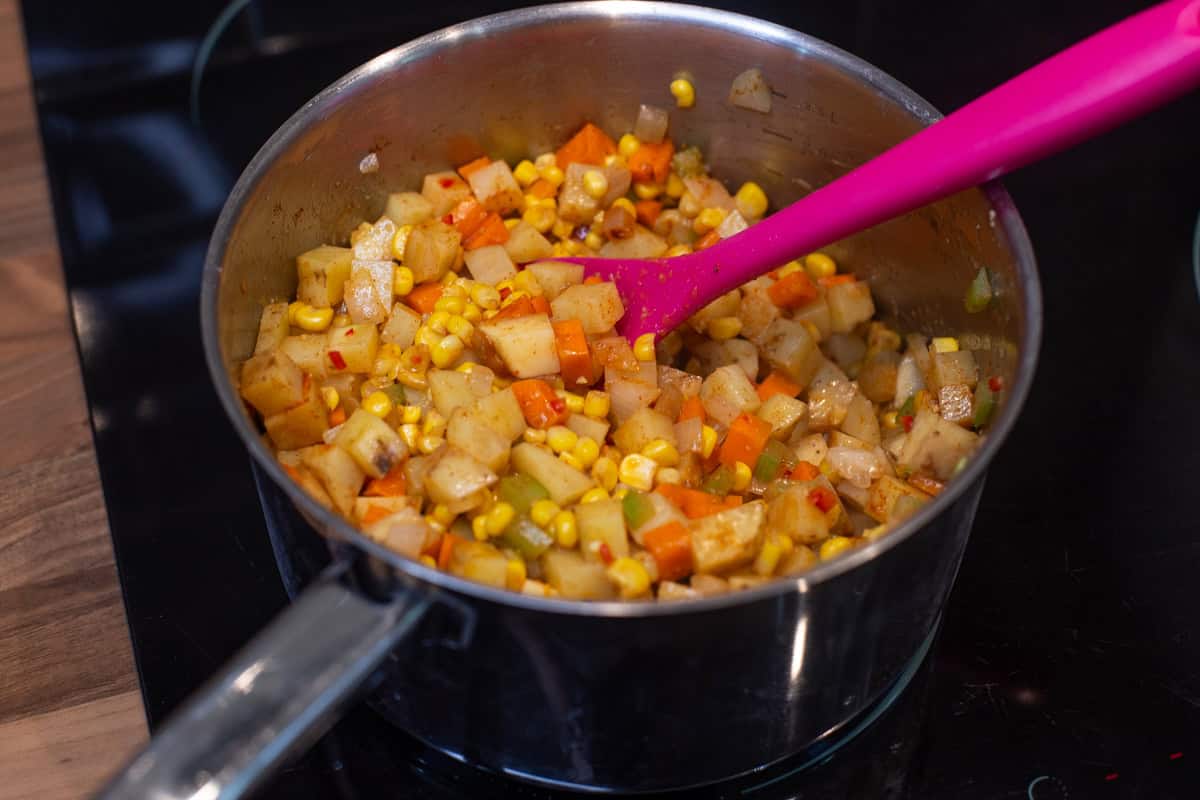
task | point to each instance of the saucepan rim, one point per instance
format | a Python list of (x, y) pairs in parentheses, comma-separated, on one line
[(752, 29)]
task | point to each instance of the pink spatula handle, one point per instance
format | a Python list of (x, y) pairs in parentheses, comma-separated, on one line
[(1117, 74)]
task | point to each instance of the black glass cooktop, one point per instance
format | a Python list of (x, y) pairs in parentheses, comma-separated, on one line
[(1068, 663)]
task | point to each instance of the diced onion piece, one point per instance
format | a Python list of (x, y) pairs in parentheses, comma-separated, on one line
[(651, 125), (859, 467), (750, 90)]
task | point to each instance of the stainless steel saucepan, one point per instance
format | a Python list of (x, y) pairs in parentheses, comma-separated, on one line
[(600, 696)]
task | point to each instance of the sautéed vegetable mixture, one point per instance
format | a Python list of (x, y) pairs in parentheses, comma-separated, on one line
[(458, 394)]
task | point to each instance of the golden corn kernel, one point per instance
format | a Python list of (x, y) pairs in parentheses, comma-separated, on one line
[(552, 175), (448, 280), (571, 461), (751, 200), (605, 472), (514, 574), (664, 453), (451, 305), (534, 435), (447, 351), (433, 523), (625, 203), (708, 219), (596, 404), (565, 529), (378, 403), (400, 242), (545, 160), (628, 145), (941, 344), (525, 173), (437, 321), (668, 475), (312, 319), (526, 281), (677, 250), (443, 514), (675, 187), (637, 471), (708, 440), (595, 184), (620, 493), (834, 546), (541, 218), (499, 518), (587, 450), (788, 269), (819, 265), (574, 402), (689, 206), (479, 527), (434, 424), (594, 240), (683, 92), (342, 320), (561, 438), (429, 444), (402, 280), (362, 230), (485, 296), (643, 347), (768, 556), (562, 229), (647, 191), (472, 313), (331, 397), (411, 434), (542, 512), (596, 495), (891, 419), (459, 326), (630, 577), (741, 476), (511, 223), (723, 328), (410, 415), (428, 561)]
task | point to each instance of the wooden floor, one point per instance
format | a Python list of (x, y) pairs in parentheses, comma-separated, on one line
[(70, 711)]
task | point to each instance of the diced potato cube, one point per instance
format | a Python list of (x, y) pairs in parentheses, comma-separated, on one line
[(470, 433), (643, 243), (271, 383), (784, 413), (841, 439), (525, 344), (811, 448), (347, 386), (374, 242), (597, 306), (371, 442), (405, 532), (670, 590), (525, 244), (727, 392), (355, 346), (883, 496), (490, 264), (408, 208), (308, 482), (555, 277), (380, 505), (936, 445), (564, 483), (744, 354), (480, 562), (686, 383), (273, 328), (817, 314), (575, 578), (724, 306), (849, 304), (382, 272), (860, 420), (595, 429), (444, 190), (575, 205), (322, 271), (450, 390), (308, 351), (457, 481), (432, 250), (788, 347), (794, 516), (628, 396), (501, 412), (956, 404), (401, 327), (757, 310), (363, 301), (643, 427), (877, 378), (956, 367), (729, 539), (338, 473), (600, 523), (496, 189)]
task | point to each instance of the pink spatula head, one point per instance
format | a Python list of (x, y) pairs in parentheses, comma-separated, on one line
[(1121, 72)]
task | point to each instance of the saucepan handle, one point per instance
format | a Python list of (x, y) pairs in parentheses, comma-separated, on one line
[(276, 696)]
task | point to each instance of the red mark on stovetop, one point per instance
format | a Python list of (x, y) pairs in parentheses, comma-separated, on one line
[(1112, 776), (1176, 756)]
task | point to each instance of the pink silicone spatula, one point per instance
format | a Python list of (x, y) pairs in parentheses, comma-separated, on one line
[(1117, 74)]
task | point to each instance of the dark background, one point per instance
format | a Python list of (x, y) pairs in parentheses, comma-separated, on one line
[(1069, 649)]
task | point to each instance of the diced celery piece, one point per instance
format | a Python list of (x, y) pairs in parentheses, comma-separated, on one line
[(637, 509), (979, 293), (719, 482), (526, 538), (521, 491)]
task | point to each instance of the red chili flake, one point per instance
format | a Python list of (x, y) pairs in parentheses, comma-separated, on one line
[(995, 383), (907, 419), (1112, 776), (1175, 756), (336, 358), (446, 183), (558, 405), (605, 553), (448, 219), (505, 292), (350, 332), (822, 498)]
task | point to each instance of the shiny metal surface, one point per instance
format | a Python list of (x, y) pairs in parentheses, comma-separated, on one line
[(640, 697)]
